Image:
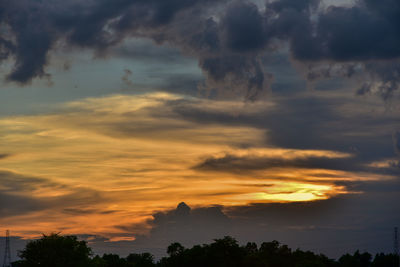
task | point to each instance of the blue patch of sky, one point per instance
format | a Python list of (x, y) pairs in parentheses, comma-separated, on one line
[(95, 77)]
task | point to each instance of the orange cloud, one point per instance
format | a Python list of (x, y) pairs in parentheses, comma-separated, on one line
[(101, 162)]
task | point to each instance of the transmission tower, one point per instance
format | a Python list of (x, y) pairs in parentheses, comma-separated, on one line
[(7, 253), (396, 242)]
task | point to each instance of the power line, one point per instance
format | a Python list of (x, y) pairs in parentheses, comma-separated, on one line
[(7, 253)]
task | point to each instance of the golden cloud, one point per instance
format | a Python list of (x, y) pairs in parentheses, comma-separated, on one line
[(115, 160)]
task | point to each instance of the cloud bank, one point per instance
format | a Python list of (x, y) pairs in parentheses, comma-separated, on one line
[(229, 38), (116, 158)]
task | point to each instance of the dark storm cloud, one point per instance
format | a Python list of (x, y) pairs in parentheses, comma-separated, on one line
[(303, 122), (307, 121), (245, 164), (185, 223), (32, 28), (367, 34), (384, 78), (227, 37), (243, 28), (302, 5), (232, 163), (367, 31)]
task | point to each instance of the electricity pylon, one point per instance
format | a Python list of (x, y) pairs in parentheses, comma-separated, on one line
[(7, 253)]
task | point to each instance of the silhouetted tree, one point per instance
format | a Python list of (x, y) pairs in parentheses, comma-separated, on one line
[(226, 252), (356, 260), (175, 249), (140, 260), (382, 260), (273, 254), (114, 260), (55, 250), (62, 251), (309, 259), (98, 262)]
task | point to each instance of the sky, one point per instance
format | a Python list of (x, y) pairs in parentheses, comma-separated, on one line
[(134, 124)]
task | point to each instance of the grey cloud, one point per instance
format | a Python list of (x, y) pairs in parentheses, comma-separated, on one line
[(235, 71), (184, 224), (382, 80), (11, 205), (145, 51), (227, 48), (126, 77), (232, 163), (12, 183), (365, 34), (357, 33), (18, 197), (82, 211), (304, 121), (396, 142), (34, 27), (16, 194), (243, 28), (3, 156), (300, 6), (186, 84), (227, 37), (245, 164)]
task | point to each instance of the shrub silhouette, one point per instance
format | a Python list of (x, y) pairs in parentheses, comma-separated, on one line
[(55, 250), (66, 251)]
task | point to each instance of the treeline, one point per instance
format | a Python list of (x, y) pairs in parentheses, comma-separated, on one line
[(67, 251)]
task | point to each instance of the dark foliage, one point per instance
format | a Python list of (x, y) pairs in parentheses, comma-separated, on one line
[(60, 251), (55, 250)]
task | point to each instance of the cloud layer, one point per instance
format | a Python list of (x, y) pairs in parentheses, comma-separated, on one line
[(118, 157), (229, 38)]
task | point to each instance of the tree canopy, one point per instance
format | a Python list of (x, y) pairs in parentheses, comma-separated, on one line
[(56, 250), (66, 251)]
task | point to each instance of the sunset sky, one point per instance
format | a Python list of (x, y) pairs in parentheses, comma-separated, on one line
[(268, 119)]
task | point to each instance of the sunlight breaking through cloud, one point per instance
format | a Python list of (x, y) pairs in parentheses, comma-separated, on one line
[(119, 158)]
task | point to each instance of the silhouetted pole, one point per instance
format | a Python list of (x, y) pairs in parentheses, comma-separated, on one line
[(7, 253), (396, 243)]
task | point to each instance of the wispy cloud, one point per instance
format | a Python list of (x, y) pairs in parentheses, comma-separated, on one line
[(117, 158)]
